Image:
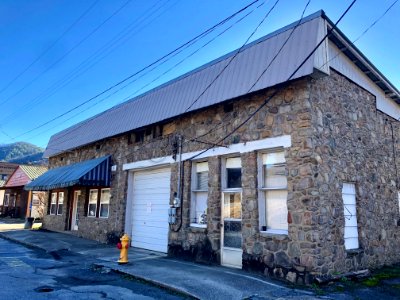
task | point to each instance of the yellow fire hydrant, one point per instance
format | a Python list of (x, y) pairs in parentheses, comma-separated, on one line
[(123, 246)]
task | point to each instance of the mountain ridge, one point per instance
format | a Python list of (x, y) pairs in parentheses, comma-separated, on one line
[(22, 153)]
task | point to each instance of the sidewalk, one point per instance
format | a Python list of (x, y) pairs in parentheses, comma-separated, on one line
[(195, 280)]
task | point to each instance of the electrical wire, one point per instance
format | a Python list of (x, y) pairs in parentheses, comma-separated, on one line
[(362, 34), (67, 53), (161, 59), (233, 57), (112, 45), (50, 47), (279, 88)]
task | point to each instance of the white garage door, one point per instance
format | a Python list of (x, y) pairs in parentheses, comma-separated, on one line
[(151, 193)]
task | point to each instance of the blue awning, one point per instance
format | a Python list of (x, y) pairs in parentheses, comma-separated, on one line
[(95, 172)]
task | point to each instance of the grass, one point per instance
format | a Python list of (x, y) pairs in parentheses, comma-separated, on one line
[(382, 274)]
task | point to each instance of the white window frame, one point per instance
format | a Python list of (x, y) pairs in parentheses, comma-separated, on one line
[(104, 202), (6, 200), (263, 191), (398, 199), (53, 203), (35, 199), (198, 167), (234, 162), (350, 216), (60, 203), (92, 202)]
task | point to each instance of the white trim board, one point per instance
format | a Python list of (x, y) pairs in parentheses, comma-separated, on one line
[(343, 64), (284, 141)]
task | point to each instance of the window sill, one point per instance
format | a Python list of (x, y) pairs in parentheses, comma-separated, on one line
[(198, 228), (196, 225), (279, 235), (354, 252)]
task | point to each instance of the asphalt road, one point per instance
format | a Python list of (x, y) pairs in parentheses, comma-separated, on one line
[(32, 274)]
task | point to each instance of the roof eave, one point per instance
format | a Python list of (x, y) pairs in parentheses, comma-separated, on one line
[(363, 63)]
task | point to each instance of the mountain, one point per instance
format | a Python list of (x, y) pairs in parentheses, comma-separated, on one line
[(21, 153)]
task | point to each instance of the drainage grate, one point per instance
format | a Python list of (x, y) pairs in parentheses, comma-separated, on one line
[(44, 289)]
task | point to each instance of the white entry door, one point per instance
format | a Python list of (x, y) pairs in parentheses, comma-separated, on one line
[(231, 232), (151, 195), (75, 215)]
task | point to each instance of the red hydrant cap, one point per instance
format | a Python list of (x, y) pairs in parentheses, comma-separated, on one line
[(119, 246), (126, 246)]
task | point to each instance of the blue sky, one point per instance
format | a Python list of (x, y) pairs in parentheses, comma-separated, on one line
[(57, 54)]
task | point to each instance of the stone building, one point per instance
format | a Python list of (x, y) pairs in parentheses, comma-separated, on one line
[(243, 164)]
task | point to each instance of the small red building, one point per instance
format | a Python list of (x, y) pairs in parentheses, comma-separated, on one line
[(17, 201)]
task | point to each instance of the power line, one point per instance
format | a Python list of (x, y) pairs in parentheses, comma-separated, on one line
[(50, 47), (341, 50), (363, 33), (186, 57), (91, 61), (234, 56), (278, 89), (161, 59), (191, 54), (262, 73), (249, 37), (67, 53)]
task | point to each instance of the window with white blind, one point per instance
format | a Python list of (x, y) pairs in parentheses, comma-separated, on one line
[(273, 193), (92, 205), (104, 203), (53, 204), (198, 214), (60, 203), (350, 216)]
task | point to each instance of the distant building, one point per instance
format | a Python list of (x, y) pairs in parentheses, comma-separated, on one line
[(17, 202), (6, 169)]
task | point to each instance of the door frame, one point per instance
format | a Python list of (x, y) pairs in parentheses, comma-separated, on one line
[(236, 253), (74, 209)]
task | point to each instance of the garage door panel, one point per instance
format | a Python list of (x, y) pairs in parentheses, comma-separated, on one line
[(142, 221), (156, 233), (150, 204)]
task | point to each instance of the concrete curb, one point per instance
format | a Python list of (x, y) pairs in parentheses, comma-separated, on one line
[(152, 281), (24, 243), (99, 264)]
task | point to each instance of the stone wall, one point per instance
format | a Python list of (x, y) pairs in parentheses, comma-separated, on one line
[(56, 222), (353, 142)]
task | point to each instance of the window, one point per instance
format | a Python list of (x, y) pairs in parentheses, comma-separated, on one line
[(92, 207), (104, 203), (6, 199), (199, 194), (60, 203), (99, 203), (350, 216), (233, 173), (53, 203), (273, 193), (35, 199), (398, 199)]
